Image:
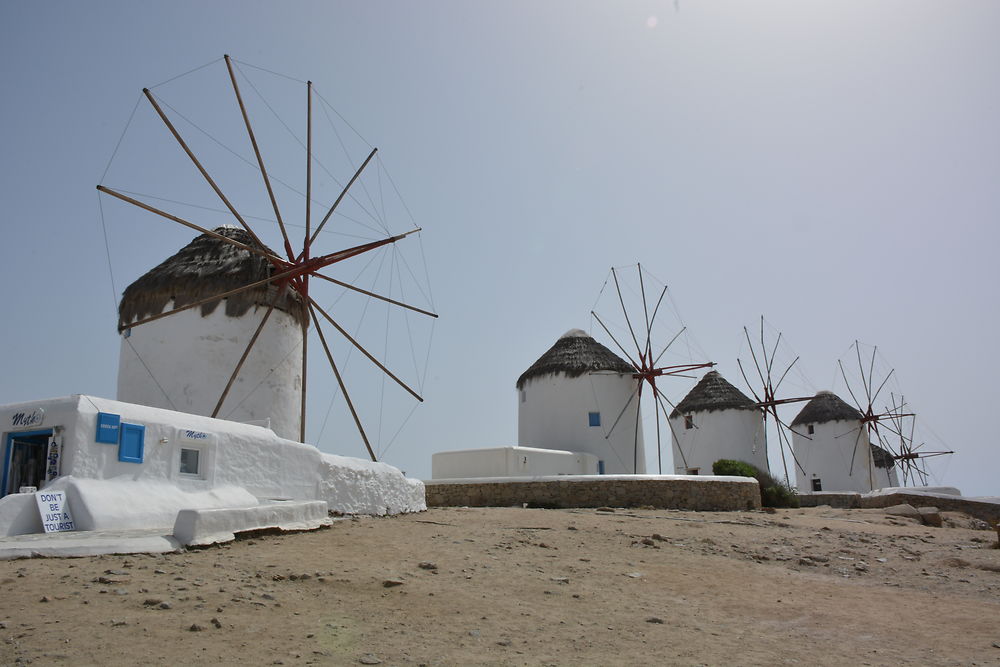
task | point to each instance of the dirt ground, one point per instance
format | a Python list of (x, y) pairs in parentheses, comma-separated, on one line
[(514, 586)]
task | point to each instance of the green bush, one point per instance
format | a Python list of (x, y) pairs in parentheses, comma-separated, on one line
[(773, 493), (735, 468)]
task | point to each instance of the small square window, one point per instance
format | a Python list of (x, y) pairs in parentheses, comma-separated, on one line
[(688, 421), (190, 461), (595, 418), (693, 471), (810, 429), (817, 484)]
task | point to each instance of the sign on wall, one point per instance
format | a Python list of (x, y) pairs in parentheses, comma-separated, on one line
[(108, 426), (54, 508), (27, 418)]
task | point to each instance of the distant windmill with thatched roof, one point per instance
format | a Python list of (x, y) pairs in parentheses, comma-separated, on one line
[(569, 399), (715, 420), (833, 451)]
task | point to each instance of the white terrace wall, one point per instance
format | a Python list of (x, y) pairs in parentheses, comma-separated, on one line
[(183, 362), (553, 413), (719, 434), (827, 456), (510, 462)]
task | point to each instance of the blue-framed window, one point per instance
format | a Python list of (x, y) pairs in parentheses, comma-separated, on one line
[(594, 418), (133, 443)]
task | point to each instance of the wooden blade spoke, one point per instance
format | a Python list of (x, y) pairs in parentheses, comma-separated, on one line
[(635, 439), (652, 319), (753, 355), (667, 346), (246, 353), (260, 160), (875, 395), (277, 261), (783, 438), (659, 448), (615, 340), (861, 370), (774, 353), (628, 321), (201, 169), (747, 380), (340, 381), (622, 413), (305, 371), (782, 378), (648, 351), (307, 242), (374, 295), (843, 374), (343, 194), (363, 351)]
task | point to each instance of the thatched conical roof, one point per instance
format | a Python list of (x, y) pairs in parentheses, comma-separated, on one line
[(204, 267), (712, 393), (882, 458), (574, 354), (825, 407)]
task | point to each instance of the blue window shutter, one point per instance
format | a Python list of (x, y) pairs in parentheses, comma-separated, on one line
[(595, 418), (133, 438)]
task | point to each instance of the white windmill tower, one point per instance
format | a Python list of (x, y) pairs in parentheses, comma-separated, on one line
[(569, 399), (185, 362), (716, 421)]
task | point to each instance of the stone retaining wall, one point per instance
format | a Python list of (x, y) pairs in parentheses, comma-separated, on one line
[(980, 509), (662, 492)]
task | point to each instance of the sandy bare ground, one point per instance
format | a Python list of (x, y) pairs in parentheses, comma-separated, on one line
[(528, 587)]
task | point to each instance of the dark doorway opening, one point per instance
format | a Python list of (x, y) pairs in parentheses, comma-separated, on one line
[(24, 460)]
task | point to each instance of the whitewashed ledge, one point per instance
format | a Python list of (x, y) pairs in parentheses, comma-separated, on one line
[(193, 527), (690, 492), (200, 527)]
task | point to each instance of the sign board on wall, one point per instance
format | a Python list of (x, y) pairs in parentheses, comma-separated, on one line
[(108, 426), (25, 419), (54, 508)]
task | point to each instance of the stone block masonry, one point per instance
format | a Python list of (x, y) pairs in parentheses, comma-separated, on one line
[(682, 492)]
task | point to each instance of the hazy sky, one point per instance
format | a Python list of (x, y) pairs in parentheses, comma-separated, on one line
[(832, 165)]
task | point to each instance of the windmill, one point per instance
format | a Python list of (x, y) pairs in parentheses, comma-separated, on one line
[(765, 388), (637, 334), (886, 417), (356, 201)]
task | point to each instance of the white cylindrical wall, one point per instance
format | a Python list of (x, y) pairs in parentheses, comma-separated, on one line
[(554, 413), (718, 434), (182, 362), (827, 456)]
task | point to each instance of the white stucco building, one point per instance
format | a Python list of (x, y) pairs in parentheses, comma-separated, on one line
[(716, 421), (570, 398), (183, 361), (125, 466), (832, 447)]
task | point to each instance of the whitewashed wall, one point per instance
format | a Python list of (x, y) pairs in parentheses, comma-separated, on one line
[(510, 462), (720, 434), (828, 456), (192, 357), (553, 414), (242, 463)]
